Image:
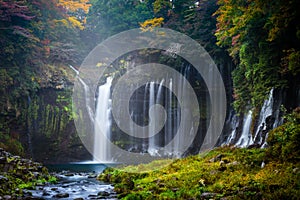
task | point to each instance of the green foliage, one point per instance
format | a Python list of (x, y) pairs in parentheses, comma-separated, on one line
[(291, 62), (284, 141), (261, 38), (227, 172), (107, 18), (33, 39), (17, 174), (52, 179), (28, 185), (64, 100), (11, 144)]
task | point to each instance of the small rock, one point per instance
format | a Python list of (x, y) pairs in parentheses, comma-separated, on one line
[(217, 158), (7, 197), (103, 194), (2, 160), (296, 170), (78, 199), (222, 166), (92, 196), (27, 192), (224, 198), (207, 195), (234, 163), (45, 193), (65, 185), (16, 157), (69, 174), (3, 179), (33, 198), (61, 195), (92, 176)]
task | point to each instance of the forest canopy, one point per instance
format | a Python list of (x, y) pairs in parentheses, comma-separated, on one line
[(255, 43)]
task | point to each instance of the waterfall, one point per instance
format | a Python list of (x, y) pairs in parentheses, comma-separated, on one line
[(75, 70), (87, 93), (234, 123), (145, 101), (153, 141), (168, 128), (102, 125), (159, 92), (246, 137), (151, 147), (269, 118), (266, 111)]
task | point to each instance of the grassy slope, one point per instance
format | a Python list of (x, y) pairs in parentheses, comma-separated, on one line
[(223, 173)]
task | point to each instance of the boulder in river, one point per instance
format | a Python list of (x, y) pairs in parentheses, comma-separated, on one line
[(61, 195)]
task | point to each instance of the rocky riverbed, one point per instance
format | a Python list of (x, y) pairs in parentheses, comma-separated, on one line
[(73, 186), (25, 179)]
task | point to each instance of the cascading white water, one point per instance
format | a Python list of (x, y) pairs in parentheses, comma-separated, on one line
[(144, 145), (266, 111), (234, 123), (169, 126), (87, 93), (154, 94), (152, 149), (246, 137), (75, 70), (102, 123), (159, 91)]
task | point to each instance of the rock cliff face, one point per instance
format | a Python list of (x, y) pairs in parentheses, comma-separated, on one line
[(251, 129), (51, 134), (43, 121), (52, 138), (39, 124)]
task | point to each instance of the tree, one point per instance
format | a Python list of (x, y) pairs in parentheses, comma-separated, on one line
[(259, 35), (107, 18)]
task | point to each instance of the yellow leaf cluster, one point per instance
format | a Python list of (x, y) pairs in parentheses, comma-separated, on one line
[(70, 22), (149, 24), (64, 22), (74, 5), (75, 23)]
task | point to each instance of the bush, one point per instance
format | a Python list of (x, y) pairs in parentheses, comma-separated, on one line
[(284, 141)]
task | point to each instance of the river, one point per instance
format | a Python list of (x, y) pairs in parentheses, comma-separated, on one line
[(75, 182)]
